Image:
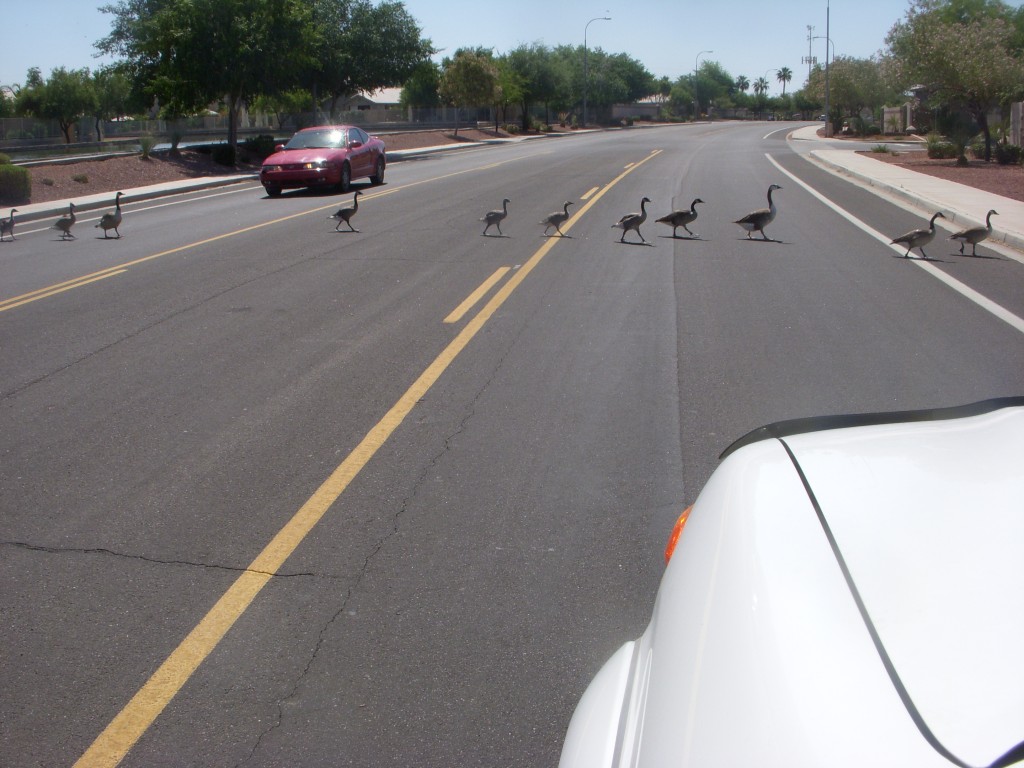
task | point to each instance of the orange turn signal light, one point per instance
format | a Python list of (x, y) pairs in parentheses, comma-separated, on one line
[(677, 531)]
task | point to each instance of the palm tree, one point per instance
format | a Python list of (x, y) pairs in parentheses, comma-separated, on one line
[(784, 75), (742, 83), (760, 86)]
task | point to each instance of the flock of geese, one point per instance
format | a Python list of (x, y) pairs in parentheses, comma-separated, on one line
[(919, 238), (110, 220), (755, 221)]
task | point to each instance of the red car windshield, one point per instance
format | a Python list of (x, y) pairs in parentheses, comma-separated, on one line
[(328, 139)]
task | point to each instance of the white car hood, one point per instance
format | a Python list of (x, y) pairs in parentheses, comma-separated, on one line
[(842, 597), (910, 507)]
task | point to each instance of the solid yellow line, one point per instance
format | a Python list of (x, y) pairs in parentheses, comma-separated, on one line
[(36, 295), (111, 746), (475, 296)]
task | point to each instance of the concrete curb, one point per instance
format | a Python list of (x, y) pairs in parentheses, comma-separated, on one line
[(928, 203)]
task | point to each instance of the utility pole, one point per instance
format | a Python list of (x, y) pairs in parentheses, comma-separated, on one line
[(810, 59)]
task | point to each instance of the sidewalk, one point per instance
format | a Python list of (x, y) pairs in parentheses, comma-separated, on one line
[(963, 206)]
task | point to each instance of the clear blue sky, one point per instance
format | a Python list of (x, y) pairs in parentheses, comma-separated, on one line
[(748, 37)]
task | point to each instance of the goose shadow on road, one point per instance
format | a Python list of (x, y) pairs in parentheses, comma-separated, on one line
[(762, 240), (912, 257), (975, 256)]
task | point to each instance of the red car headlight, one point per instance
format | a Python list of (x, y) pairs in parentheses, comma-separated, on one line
[(317, 165), (271, 168)]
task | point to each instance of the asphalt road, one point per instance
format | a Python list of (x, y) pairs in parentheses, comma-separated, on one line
[(265, 502)]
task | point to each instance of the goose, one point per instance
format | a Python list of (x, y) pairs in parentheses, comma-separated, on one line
[(556, 218), (346, 214), (757, 220), (494, 218), (918, 238), (633, 221), (65, 223), (111, 220), (7, 225), (975, 235), (678, 219)]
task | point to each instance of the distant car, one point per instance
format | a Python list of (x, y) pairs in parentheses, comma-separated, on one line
[(325, 156), (844, 592)]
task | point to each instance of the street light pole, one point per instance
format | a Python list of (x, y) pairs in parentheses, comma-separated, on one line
[(828, 119), (696, 100), (597, 18)]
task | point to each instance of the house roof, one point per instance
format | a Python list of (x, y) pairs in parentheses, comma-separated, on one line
[(384, 96)]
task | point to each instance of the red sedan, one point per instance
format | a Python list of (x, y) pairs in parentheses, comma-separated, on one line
[(325, 156)]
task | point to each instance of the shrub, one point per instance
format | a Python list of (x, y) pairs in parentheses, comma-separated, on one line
[(15, 184), (881, 149), (223, 154), (939, 148), (260, 146), (5, 159), (1009, 154), (81, 178), (147, 143)]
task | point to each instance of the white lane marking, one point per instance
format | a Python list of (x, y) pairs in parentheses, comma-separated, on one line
[(964, 290)]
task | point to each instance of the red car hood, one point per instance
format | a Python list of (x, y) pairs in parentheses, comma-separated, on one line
[(302, 156)]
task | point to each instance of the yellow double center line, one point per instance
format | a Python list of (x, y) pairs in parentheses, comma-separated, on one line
[(111, 746)]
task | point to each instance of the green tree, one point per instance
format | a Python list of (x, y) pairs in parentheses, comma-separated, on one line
[(113, 92), (66, 97), (508, 90), (806, 103), (784, 76), (761, 94), (637, 82), (966, 52), (855, 85), (742, 83), (680, 100), (195, 52), (283, 103), (469, 79), (538, 77), (422, 89), (362, 47), (714, 85)]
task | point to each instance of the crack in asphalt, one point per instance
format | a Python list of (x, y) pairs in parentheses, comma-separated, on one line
[(145, 558), (379, 546)]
